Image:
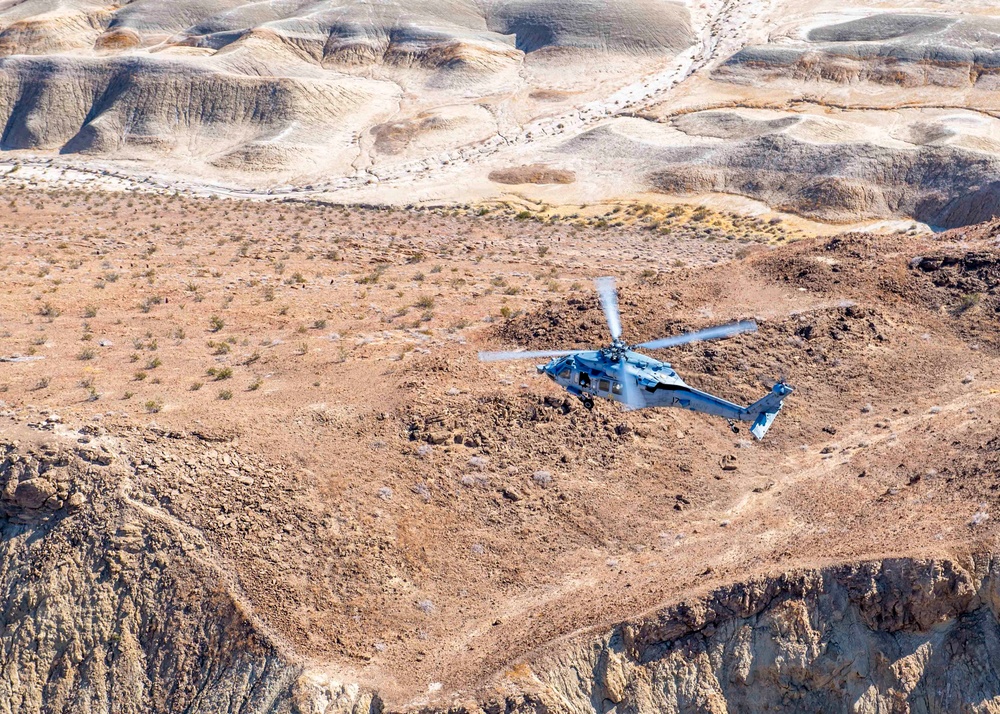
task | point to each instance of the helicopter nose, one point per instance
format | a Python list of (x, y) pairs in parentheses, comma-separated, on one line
[(540, 368)]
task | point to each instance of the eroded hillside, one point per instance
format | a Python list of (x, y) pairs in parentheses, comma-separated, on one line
[(849, 114)]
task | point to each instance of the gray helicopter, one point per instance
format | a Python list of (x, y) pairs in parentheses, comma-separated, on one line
[(638, 381)]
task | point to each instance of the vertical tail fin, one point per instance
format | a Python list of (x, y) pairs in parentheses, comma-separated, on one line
[(766, 409)]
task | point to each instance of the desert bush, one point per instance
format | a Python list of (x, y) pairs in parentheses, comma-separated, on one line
[(969, 301), (542, 478), (219, 348), (49, 310)]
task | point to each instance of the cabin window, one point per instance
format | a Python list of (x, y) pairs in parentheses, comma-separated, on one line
[(565, 374), (616, 388), (603, 385)]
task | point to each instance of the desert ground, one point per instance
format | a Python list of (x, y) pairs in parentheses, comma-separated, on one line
[(250, 460), (292, 392)]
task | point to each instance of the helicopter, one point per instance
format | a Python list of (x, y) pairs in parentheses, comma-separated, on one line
[(637, 381)]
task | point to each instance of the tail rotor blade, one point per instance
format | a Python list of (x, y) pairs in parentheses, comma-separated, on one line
[(501, 356), (609, 303), (711, 333)]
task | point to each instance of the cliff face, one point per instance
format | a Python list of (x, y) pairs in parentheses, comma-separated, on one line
[(107, 607), (108, 604), (889, 636)]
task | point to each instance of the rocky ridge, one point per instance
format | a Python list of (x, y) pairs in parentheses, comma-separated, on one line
[(110, 604), (148, 624)]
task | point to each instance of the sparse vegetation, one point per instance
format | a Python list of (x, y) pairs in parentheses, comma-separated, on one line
[(220, 373), (969, 301), (49, 310)]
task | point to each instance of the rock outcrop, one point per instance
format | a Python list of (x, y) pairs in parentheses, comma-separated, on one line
[(140, 107), (943, 186), (105, 605), (892, 635)]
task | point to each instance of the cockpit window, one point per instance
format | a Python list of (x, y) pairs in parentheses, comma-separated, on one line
[(565, 374)]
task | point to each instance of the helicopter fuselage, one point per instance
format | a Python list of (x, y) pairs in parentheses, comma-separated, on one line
[(595, 374), (620, 374)]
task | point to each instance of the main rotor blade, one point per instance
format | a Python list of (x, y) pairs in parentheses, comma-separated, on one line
[(631, 394), (500, 356), (711, 333), (609, 303)]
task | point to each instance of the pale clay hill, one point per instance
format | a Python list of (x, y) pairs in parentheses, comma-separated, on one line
[(838, 113)]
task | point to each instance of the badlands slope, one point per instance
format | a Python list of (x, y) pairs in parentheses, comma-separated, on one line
[(843, 113), (310, 88)]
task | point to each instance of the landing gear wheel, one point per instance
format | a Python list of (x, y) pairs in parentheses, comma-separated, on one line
[(588, 403), (732, 427)]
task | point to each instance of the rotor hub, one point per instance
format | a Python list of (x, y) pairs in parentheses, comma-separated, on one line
[(617, 350)]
